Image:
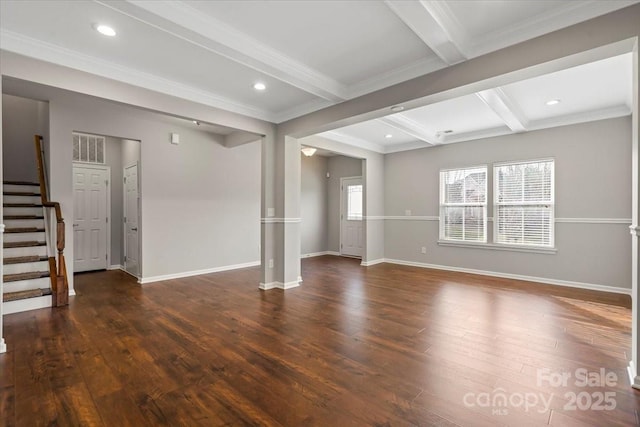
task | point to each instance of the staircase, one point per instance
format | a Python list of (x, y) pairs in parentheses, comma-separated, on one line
[(26, 265), (34, 270)]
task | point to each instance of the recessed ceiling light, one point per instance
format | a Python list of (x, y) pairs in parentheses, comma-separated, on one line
[(553, 102), (259, 86), (105, 30), (388, 136), (397, 108)]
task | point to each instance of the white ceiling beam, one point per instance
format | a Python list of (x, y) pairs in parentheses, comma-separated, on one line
[(422, 18), (189, 24), (410, 127), (354, 141), (506, 108)]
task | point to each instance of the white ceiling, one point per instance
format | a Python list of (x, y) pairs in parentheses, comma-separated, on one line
[(310, 54), (594, 91)]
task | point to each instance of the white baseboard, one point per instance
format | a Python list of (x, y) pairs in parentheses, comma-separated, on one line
[(314, 254), (145, 280), (373, 262), (634, 379), (565, 283), (278, 285), (115, 267)]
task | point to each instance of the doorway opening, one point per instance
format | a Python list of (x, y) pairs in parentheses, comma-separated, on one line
[(106, 223), (351, 209)]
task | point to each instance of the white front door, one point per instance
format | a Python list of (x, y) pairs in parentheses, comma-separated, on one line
[(90, 215), (351, 225), (131, 235)]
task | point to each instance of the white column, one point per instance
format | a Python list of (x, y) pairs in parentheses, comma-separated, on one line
[(635, 226), (280, 223)]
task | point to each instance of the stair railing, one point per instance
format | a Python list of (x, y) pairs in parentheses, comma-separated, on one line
[(58, 271)]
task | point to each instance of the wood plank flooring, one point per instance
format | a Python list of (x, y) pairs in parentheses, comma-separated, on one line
[(380, 346)]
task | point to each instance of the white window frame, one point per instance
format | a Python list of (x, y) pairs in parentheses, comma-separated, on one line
[(99, 139), (496, 216), (442, 237)]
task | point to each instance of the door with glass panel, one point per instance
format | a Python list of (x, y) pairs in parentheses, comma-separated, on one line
[(351, 222)]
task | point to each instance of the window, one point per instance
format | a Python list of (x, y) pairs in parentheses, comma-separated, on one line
[(354, 202), (524, 203), (463, 204), (88, 148)]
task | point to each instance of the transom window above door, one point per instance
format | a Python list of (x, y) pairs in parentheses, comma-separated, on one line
[(88, 148)]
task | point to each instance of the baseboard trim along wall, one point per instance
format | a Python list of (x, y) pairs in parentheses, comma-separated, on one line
[(115, 267), (278, 285), (372, 262), (547, 281), (315, 254), (145, 280)]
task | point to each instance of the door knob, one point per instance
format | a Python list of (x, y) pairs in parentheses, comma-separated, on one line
[(134, 228)]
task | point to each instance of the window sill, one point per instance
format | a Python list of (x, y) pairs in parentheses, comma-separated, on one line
[(496, 247)]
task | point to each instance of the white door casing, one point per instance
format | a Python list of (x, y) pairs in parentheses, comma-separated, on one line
[(131, 226), (91, 232), (351, 216)]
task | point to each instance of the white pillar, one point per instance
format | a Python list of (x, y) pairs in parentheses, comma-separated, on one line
[(280, 223), (635, 226)]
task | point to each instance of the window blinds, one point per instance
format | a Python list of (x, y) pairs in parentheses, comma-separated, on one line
[(524, 203), (463, 204)]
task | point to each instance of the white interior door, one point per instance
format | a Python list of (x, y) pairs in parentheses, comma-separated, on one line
[(131, 234), (351, 224), (90, 218)]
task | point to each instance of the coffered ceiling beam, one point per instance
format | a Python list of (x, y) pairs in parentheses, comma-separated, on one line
[(410, 127), (505, 107), (207, 32), (425, 21)]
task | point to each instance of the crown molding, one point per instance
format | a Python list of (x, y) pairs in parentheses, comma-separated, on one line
[(589, 116), (300, 110), (568, 14), (48, 52), (184, 21)]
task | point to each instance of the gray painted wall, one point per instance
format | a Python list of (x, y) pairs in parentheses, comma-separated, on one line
[(200, 200), (113, 159), (592, 168), (22, 118), (313, 204), (338, 167), (130, 152)]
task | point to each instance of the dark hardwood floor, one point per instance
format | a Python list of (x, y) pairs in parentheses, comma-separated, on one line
[(379, 346)]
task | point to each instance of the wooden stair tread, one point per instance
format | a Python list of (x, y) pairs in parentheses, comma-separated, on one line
[(21, 205), (27, 244), (24, 276), (27, 183), (23, 217), (24, 230), (31, 293), (24, 259), (20, 193)]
